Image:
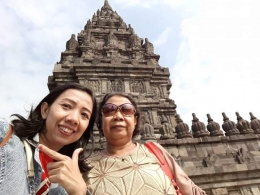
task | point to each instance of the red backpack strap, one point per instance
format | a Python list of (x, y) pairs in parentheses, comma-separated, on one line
[(7, 136), (164, 165)]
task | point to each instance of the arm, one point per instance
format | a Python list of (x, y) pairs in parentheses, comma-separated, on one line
[(185, 184), (65, 171)]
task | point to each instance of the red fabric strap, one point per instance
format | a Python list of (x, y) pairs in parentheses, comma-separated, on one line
[(164, 165), (45, 159), (45, 184)]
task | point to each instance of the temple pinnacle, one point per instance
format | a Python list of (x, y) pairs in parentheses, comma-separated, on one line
[(107, 6)]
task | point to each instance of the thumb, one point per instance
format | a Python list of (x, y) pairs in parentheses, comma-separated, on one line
[(75, 155)]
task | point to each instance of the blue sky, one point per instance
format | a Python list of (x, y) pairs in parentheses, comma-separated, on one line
[(211, 48)]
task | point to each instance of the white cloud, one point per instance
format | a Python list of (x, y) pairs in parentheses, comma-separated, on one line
[(218, 62), (33, 35), (174, 3), (163, 37), (149, 3), (138, 3), (216, 69)]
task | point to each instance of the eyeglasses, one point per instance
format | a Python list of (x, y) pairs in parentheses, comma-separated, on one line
[(110, 109)]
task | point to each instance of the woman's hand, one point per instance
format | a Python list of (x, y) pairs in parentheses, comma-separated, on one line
[(65, 171)]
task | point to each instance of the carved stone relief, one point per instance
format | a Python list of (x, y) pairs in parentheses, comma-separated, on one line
[(210, 160), (220, 191), (147, 131), (137, 86), (148, 46), (115, 61), (72, 44), (88, 53), (115, 86), (248, 192), (166, 130), (112, 40), (243, 156), (94, 85), (243, 125), (235, 192), (156, 91), (68, 59), (93, 41), (96, 61), (231, 151), (135, 42), (88, 25)]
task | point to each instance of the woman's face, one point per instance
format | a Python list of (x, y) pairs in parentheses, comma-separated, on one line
[(66, 119), (118, 128)]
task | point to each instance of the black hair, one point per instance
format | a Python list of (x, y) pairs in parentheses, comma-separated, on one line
[(103, 102), (28, 128)]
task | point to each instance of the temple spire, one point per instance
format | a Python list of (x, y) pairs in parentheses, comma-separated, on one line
[(107, 6)]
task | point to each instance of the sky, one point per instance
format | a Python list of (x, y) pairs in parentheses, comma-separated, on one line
[(210, 47)]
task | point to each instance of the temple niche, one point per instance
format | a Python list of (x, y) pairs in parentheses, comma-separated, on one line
[(109, 56), (112, 40), (147, 130)]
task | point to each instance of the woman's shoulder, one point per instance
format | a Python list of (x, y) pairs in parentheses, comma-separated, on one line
[(95, 156), (4, 126), (156, 144)]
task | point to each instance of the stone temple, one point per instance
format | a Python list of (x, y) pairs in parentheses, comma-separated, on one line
[(108, 56)]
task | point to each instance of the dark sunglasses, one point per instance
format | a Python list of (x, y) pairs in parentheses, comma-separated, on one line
[(110, 109)]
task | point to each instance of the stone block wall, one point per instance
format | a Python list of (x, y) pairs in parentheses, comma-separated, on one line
[(220, 165)]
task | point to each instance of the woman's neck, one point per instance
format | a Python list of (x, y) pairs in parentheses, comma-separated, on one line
[(43, 140), (113, 150)]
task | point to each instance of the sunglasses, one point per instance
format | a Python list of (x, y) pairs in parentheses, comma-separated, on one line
[(126, 109)]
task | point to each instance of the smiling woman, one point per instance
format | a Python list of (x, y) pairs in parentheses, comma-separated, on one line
[(66, 119), (63, 121)]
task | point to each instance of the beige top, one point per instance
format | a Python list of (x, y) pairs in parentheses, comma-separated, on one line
[(135, 173)]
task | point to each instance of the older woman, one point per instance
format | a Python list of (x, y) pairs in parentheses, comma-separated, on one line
[(125, 167)]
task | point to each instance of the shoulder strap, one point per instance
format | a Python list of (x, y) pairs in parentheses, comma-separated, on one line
[(164, 165), (7, 136), (30, 166), (157, 152), (29, 158)]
